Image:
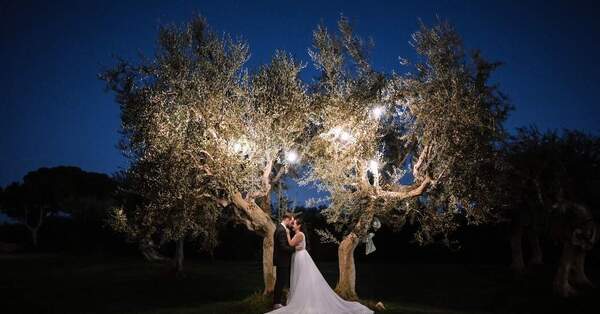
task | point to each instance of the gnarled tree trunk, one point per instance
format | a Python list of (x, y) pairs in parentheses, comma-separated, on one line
[(267, 249), (268, 268), (346, 285), (257, 220)]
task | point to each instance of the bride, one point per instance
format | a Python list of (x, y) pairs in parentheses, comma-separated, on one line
[(309, 292)]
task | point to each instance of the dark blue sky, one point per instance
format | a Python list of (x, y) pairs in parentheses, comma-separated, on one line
[(54, 111)]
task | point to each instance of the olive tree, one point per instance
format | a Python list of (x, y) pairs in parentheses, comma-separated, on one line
[(390, 147), (204, 135), (255, 144)]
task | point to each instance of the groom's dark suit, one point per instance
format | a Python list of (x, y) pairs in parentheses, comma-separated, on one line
[(282, 258)]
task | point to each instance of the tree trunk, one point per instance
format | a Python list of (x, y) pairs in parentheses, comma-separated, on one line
[(565, 266), (536, 250), (259, 221), (267, 249), (264, 203), (579, 270), (33, 229), (516, 246), (346, 285), (179, 257), (268, 269), (34, 236)]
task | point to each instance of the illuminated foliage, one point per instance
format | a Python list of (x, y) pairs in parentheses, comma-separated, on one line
[(204, 135), (418, 147), (384, 140)]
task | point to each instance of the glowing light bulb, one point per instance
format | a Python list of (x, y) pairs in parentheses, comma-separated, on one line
[(345, 136), (339, 136), (377, 112), (240, 147), (237, 147), (374, 166), (291, 156)]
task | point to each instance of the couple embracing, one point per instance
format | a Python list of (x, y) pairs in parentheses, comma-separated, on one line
[(308, 290)]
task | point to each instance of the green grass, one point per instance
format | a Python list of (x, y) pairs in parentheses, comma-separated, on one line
[(63, 284)]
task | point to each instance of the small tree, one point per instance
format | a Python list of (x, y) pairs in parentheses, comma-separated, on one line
[(44, 192), (24, 211), (435, 129)]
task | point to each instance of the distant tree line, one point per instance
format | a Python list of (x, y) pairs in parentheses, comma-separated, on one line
[(60, 198)]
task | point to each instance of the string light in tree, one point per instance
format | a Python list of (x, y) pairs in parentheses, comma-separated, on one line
[(373, 166), (339, 136), (377, 112), (240, 147), (292, 156)]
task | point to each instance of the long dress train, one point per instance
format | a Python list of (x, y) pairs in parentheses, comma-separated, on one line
[(310, 293)]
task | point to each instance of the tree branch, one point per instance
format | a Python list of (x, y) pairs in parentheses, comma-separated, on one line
[(363, 182), (25, 220), (41, 218), (279, 174), (420, 160), (265, 180), (220, 201), (402, 192), (251, 215)]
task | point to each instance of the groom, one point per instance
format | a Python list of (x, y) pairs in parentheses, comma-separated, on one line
[(282, 257)]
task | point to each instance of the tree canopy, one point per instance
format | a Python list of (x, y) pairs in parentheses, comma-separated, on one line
[(83, 196), (207, 137)]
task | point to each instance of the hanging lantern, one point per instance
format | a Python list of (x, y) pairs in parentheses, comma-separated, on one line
[(370, 247)]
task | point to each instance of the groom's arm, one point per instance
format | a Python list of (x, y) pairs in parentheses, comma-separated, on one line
[(283, 242)]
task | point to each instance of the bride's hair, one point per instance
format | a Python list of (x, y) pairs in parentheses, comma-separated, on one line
[(299, 221)]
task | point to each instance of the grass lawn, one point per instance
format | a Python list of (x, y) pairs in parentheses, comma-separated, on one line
[(67, 284)]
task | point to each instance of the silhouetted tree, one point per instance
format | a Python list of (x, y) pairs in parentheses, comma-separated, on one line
[(550, 181), (83, 196)]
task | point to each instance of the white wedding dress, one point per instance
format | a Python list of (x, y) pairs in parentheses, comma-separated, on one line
[(310, 293)]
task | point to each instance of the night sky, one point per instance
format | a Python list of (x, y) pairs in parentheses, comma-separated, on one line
[(54, 111)]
